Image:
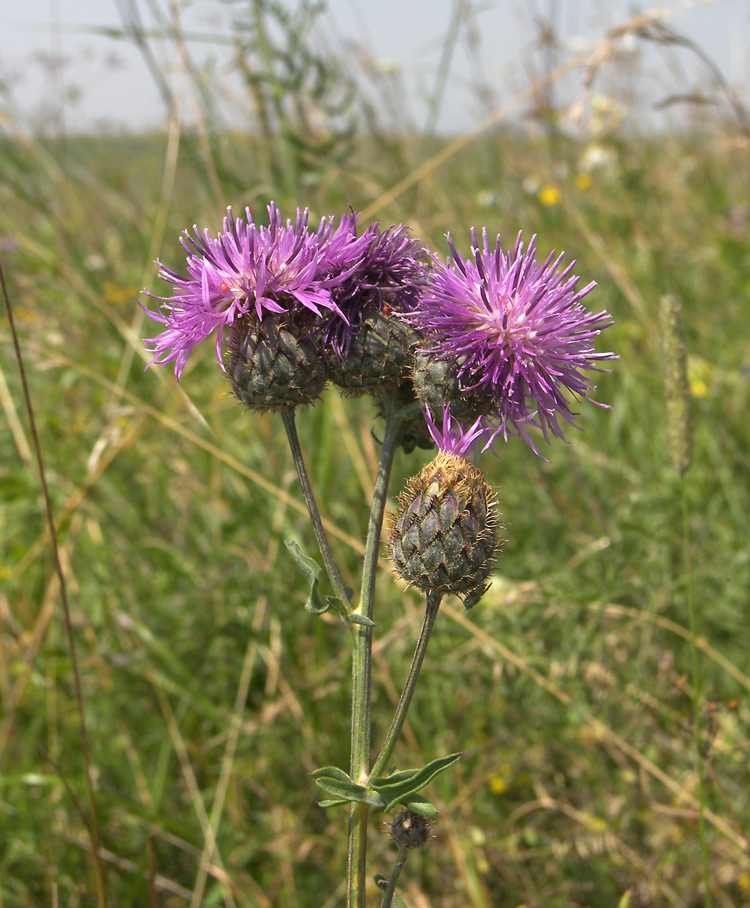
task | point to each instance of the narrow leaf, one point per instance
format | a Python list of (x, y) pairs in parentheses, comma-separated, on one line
[(336, 782), (331, 772), (350, 791), (401, 785), (360, 619), (312, 570)]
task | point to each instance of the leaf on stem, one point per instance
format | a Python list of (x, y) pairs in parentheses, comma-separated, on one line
[(400, 787), (336, 782), (417, 804), (356, 618), (384, 792), (312, 571)]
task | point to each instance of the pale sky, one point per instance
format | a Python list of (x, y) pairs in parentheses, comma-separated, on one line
[(106, 82)]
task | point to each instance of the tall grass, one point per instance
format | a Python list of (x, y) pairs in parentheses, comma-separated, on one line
[(210, 695)]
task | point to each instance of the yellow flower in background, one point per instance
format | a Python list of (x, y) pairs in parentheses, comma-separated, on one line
[(498, 785), (699, 376), (117, 295), (499, 781), (549, 195), (583, 181)]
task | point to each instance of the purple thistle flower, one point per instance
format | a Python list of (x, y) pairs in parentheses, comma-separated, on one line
[(519, 330), (453, 438), (392, 271), (344, 251), (389, 276), (246, 269)]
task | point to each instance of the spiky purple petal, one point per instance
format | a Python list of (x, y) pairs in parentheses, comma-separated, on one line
[(247, 269), (522, 329), (452, 438), (390, 274)]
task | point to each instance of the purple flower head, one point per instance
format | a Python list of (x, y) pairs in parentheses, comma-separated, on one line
[(519, 329), (392, 271), (453, 438), (344, 250), (389, 275), (273, 269)]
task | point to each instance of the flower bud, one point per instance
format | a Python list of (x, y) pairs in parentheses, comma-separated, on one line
[(275, 364), (444, 537), (410, 830)]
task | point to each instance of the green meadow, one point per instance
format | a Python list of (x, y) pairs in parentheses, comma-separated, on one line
[(210, 695)]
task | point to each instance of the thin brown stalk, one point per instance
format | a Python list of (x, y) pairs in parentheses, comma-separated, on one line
[(85, 750)]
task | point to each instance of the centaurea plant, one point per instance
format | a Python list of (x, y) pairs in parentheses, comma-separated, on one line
[(456, 355)]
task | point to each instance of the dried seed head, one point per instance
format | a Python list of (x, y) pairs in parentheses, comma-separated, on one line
[(275, 364), (410, 830), (676, 385), (444, 537)]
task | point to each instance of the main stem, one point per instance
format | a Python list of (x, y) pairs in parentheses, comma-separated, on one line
[(334, 576), (362, 666)]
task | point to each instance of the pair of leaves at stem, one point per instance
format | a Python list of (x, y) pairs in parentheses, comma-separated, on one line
[(384, 792), (315, 604)]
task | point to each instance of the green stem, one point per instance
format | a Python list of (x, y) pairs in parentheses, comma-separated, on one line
[(390, 890), (287, 416), (697, 694), (362, 665), (433, 605)]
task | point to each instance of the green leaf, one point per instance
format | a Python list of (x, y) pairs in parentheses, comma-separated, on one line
[(332, 772), (417, 804), (360, 619), (336, 782), (312, 571), (403, 784)]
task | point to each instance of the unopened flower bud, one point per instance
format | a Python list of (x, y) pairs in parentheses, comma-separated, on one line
[(444, 537), (410, 830)]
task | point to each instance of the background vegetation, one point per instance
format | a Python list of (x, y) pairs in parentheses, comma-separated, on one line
[(210, 695)]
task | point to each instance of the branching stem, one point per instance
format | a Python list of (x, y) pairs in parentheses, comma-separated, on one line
[(287, 416), (431, 611), (362, 664)]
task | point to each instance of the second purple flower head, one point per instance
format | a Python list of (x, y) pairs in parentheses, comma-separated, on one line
[(509, 338)]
